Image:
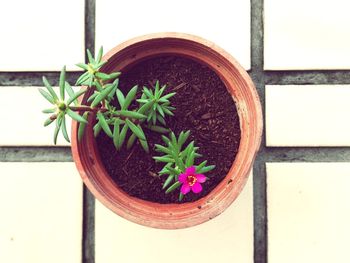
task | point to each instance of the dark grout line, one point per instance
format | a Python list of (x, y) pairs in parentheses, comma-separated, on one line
[(35, 154), (88, 244), (259, 173), (34, 78), (88, 227), (305, 154), (307, 77), (260, 211), (90, 12)]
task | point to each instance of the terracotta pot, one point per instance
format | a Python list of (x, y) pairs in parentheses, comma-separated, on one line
[(242, 90)]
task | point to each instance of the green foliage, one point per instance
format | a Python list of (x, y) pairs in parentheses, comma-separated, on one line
[(93, 74), (158, 105), (124, 123), (178, 158), (61, 105)]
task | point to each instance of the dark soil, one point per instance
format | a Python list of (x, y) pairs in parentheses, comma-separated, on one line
[(203, 106)]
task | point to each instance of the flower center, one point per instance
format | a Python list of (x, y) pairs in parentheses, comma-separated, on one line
[(91, 69), (191, 180)]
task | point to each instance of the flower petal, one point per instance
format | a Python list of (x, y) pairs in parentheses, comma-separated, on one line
[(201, 178), (197, 188), (182, 178), (190, 170), (185, 188)]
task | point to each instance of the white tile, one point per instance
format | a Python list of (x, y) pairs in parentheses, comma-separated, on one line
[(226, 238), (308, 212), (312, 34), (41, 213), (310, 115), (23, 122), (227, 23), (41, 35)]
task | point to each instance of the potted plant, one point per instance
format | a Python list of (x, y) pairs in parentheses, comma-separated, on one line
[(146, 165)]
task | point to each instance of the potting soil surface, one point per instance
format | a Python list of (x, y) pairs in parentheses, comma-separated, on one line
[(203, 106)]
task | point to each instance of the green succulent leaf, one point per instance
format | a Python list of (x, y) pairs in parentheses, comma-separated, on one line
[(147, 92), (190, 159), (168, 180), (161, 120), (75, 116), (120, 97), (166, 97), (104, 124), (158, 129), (57, 129), (114, 75), (99, 55), (97, 129), (122, 136), (49, 110), (145, 107), (160, 93), (154, 118), (206, 169), (130, 114), (131, 141), (69, 89), (113, 91), (137, 130), (102, 76), (82, 126), (160, 110), (90, 57), (90, 81), (166, 140), (167, 111), (188, 149), (183, 137), (144, 145), (181, 196), (83, 78), (173, 187), (92, 97), (62, 82), (47, 96), (50, 89), (156, 91), (164, 159), (75, 96), (129, 97), (101, 96), (165, 169), (201, 165), (116, 133), (48, 122), (160, 148), (64, 129), (83, 66)]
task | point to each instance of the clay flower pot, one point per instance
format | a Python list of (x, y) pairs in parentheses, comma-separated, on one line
[(242, 90)]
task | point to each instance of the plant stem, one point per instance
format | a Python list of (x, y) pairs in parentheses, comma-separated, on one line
[(87, 108)]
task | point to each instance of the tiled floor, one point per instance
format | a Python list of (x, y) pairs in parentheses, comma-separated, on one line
[(306, 34), (41, 212), (308, 212), (41, 35), (293, 210), (230, 235)]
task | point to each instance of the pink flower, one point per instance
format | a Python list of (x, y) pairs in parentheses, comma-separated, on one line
[(191, 181)]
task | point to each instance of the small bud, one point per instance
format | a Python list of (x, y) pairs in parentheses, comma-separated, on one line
[(62, 106)]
